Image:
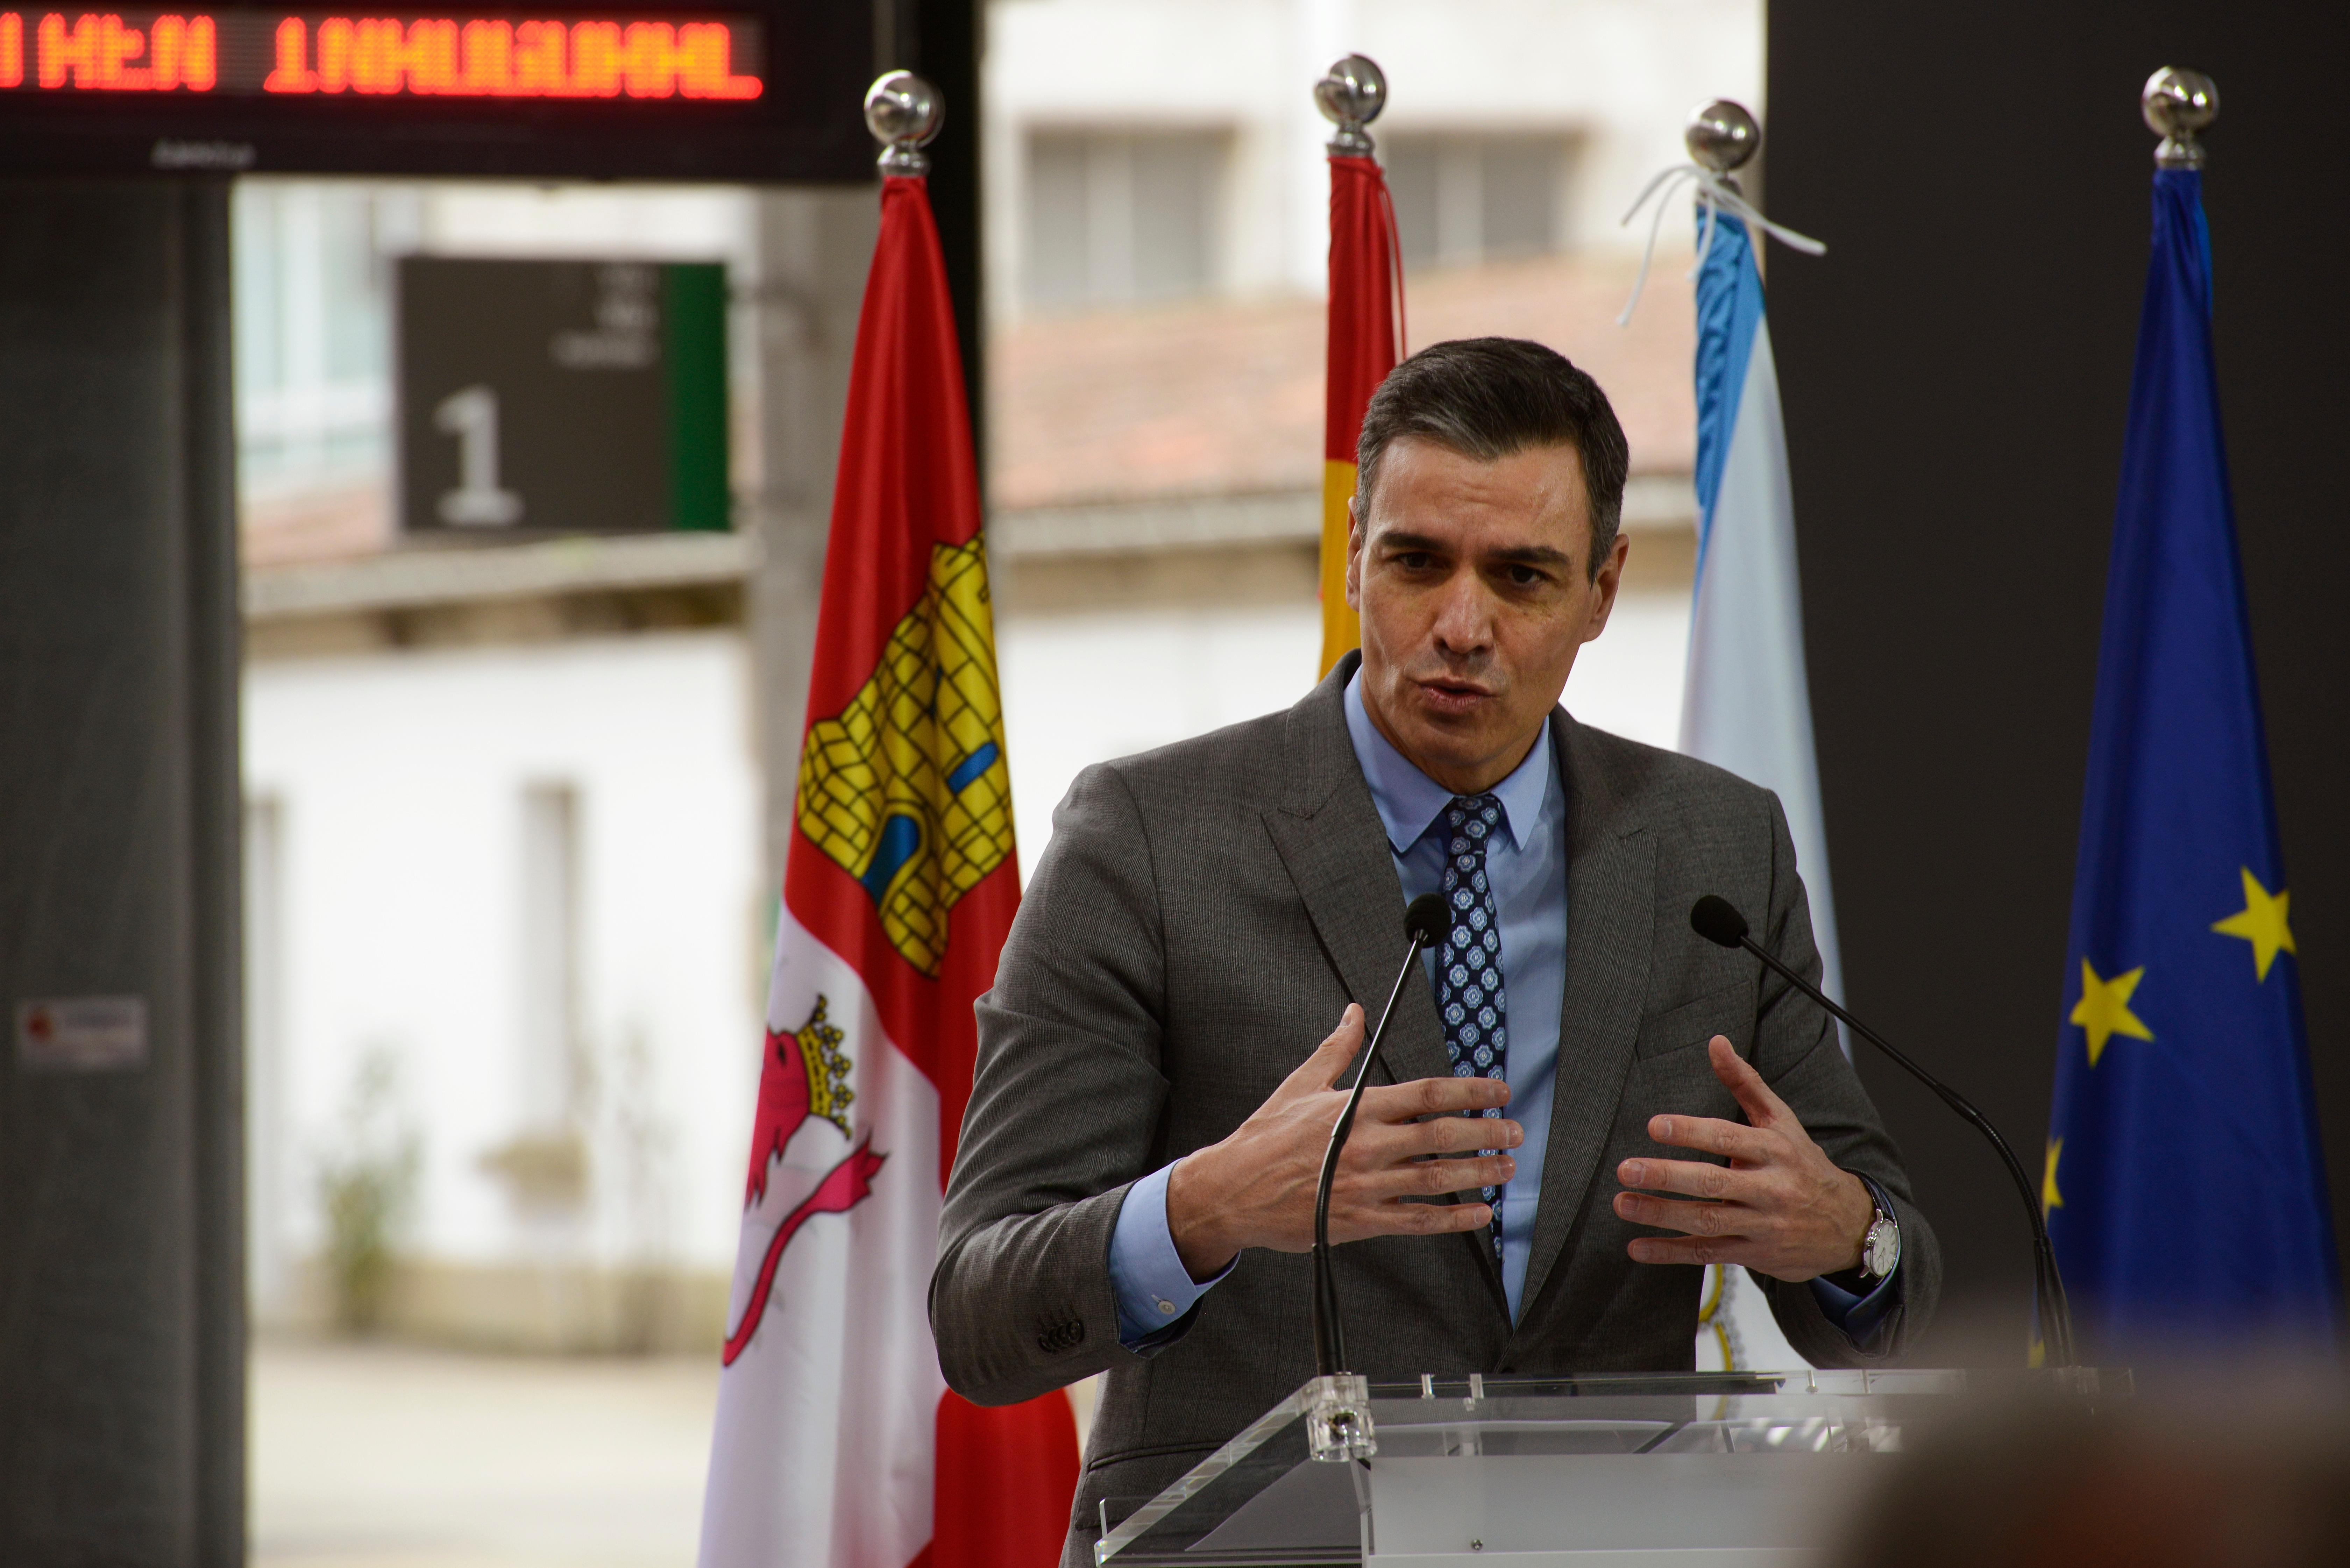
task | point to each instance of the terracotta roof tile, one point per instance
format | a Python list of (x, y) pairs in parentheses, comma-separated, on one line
[(1225, 398)]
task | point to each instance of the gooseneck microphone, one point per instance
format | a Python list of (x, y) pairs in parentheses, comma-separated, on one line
[(1717, 920), (1426, 920)]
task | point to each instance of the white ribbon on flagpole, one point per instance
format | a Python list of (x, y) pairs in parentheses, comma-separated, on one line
[(1716, 194)]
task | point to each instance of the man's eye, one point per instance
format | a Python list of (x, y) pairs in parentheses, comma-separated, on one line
[(1525, 577), (1414, 560)]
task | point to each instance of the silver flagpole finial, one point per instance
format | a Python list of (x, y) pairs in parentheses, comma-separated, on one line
[(903, 113), (2177, 104), (1722, 137), (1351, 94)]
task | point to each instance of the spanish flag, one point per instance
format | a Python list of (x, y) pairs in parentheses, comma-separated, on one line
[(1366, 303)]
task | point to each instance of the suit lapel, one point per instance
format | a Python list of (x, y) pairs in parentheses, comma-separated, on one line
[(1610, 920), (1334, 847)]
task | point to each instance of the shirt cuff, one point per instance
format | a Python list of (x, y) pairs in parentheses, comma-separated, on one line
[(1155, 1291)]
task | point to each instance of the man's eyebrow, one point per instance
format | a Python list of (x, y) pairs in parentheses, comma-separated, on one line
[(1532, 556), (1400, 540)]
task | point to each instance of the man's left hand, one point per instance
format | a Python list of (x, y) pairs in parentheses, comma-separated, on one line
[(1779, 1207)]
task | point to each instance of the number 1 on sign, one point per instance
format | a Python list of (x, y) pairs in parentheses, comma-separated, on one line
[(472, 416)]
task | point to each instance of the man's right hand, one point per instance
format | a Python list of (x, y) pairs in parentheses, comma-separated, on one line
[(1256, 1189)]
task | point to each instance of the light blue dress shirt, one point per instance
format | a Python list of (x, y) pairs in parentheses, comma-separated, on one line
[(1526, 867)]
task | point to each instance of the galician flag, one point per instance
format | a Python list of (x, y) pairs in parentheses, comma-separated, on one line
[(1746, 700), (838, 1443), (2185, 1189), (1365, 292)]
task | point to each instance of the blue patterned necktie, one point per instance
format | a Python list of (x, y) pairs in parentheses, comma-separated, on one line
[(1468, 978)]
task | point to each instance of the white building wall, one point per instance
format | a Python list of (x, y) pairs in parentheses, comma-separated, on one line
[(1621, 75), (400, 781), (1085, 689)]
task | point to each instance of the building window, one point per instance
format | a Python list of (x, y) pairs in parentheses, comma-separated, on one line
[(313, 382), (1460, 200), (267, 1186), (1121, 219), (552, 1082)]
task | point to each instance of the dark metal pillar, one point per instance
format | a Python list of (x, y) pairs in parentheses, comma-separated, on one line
[(121, 1274)]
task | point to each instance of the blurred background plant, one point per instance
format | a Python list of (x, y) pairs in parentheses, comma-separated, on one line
[(638, 1143), (367, 1189)]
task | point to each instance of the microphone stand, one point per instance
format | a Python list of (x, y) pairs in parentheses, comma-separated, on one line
[(2047, 1284), (1338, 1403), (1329, 1328)]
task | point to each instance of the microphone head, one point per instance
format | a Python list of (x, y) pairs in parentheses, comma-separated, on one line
[(1428, 919), (1717, 920)]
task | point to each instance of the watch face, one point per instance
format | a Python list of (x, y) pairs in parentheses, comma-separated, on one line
[(1883, 1249)]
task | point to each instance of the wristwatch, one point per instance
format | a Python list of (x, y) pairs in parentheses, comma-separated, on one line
[(1880, 1250)]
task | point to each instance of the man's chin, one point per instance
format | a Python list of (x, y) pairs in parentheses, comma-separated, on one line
[(1440, 743)]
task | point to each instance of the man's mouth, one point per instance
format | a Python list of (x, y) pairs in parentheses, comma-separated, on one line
[(1445, 695)]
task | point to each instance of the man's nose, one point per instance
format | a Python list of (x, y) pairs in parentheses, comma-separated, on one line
[(1464, 620)]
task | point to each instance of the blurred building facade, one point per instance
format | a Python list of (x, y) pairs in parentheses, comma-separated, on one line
[(511, 807)]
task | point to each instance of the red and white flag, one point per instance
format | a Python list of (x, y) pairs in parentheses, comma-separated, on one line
[(838, 1444)]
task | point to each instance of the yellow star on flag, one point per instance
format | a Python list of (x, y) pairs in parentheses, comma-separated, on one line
[(2103, 1009), (2262, 923), (2048, 1197)]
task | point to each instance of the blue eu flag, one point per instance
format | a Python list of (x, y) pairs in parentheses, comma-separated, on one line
[(2185, 1187)]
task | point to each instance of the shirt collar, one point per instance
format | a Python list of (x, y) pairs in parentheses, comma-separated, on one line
[(1408, 800)]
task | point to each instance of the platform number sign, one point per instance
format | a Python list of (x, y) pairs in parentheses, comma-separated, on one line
[(540, 398)]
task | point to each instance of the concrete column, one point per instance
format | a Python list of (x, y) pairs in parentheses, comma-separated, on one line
[(814, 247), (121, 1279)]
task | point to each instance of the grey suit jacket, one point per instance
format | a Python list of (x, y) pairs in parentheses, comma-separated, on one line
[(1199, 921)]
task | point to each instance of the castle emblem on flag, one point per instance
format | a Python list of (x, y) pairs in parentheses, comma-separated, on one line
[(905, 788)]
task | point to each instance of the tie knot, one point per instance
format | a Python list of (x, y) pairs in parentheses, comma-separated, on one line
[(1473, 816)]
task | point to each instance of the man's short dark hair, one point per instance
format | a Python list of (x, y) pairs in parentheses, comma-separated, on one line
[(1491, 397)]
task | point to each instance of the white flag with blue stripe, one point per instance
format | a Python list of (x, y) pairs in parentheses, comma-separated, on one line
[(1746, 703)]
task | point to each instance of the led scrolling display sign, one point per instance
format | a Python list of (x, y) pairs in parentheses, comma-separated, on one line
[(243, 53), (657, 92)]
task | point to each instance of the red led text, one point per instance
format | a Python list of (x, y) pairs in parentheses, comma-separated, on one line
[(99, 53), (443, 57)]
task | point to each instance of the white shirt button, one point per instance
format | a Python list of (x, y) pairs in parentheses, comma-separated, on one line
[(1166, 1306)]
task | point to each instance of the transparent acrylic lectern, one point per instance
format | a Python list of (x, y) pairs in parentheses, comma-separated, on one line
[(1619, 1470)]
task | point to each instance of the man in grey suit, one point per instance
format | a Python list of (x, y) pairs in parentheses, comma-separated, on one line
[(1134, 1189)]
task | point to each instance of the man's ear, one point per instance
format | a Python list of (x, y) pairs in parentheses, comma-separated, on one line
[(1603, 585), (1353, 555)]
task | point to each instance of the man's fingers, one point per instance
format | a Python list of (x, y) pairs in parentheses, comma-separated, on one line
[(1435, 1096), (1399, 1219), (1695, 1177), (1691, 1218), (1321, 1070), (1762, 1107), (1731, 1250), (1385, 1143), (1435, 1177), (1714, 1136)]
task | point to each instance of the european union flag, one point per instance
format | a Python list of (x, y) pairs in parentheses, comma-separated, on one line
[(2185, 1187)]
